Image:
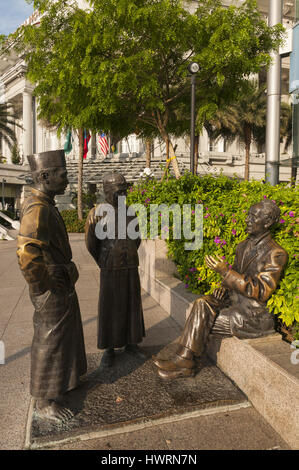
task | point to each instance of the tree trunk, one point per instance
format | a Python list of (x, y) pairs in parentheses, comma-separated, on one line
[(196, 144), (247, 138), (247, 155), (148, 144), (167, 158), (161, 125), (80, 174), (171, 153)]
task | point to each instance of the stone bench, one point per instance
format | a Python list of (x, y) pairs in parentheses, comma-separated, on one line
[(261, 368)]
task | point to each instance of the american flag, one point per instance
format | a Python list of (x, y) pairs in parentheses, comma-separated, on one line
[(103, 143)]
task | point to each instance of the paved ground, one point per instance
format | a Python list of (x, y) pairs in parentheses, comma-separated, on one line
[(242, 428)]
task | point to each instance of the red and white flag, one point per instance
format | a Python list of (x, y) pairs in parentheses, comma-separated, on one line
[(103, 143)]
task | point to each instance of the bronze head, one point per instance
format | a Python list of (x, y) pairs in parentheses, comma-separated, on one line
[(114, 185), (49, 171), (261, 217)]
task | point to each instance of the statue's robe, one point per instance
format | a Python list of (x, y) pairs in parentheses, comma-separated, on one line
[(120, 314), (58, 353), (254, 276)]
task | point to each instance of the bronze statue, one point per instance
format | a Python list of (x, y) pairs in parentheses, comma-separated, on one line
[(238, 308), (120, 320), (58, 354)]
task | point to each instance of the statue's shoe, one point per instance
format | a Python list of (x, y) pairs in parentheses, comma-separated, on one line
[(174, 364), (108, 358), (175, 374)]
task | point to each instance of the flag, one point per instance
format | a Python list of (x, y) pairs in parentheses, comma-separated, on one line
[(103, 143), (68, 143), (85, 145)]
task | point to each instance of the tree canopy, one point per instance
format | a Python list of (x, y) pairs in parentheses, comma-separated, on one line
[(122, 64)]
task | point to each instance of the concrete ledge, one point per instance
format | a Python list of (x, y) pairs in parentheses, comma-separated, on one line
[(272, 389)]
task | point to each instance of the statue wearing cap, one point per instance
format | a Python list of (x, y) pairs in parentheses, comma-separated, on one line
[(120, 309), (58, 353)]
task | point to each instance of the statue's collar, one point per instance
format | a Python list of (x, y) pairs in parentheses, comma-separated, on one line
[(259, 238), (42, 195)]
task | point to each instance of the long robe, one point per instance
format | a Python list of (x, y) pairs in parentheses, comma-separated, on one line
[(120, 318), (58, 356), (254, 276)]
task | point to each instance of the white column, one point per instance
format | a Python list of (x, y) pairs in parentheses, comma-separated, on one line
[(273, 103), (27, 123)]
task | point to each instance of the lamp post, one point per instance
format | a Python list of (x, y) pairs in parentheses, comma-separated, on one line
[(3, 201), (193, 69)]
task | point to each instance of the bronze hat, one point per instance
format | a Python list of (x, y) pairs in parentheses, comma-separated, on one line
[(45, 160), (114, 179)]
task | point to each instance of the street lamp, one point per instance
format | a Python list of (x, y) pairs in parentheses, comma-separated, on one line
[(193, 69), (3, 201)]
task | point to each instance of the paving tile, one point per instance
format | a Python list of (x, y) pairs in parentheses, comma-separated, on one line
[(145, 439), (242, 429)]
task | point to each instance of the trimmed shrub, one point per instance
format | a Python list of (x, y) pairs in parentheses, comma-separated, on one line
[(72, 223)]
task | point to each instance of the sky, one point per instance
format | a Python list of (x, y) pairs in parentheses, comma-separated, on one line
[(12, 14)]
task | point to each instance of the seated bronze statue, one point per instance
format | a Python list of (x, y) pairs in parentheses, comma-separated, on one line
[(238, 307)]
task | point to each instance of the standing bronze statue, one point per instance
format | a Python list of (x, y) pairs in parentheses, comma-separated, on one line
[(238, 308), (120, 321), (58, 354)]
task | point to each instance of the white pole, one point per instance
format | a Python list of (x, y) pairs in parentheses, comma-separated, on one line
[(273, 102)]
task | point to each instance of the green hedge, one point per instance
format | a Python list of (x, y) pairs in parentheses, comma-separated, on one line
[(226, 202), (72, 223)]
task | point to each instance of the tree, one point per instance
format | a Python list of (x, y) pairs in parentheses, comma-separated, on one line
[(245, 119), (122, 66), (54, 62), (15, 154), (242, 118), (138, 54), (8, 122)]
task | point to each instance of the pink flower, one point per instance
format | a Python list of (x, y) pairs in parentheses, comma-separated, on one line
[(221, 215), (282, 221), (234, 221), (230, 266), (223, 242), (199, 278), (193, 212), (217, 240), (292, 214), (206, 216), (265, 197), (234, 231)]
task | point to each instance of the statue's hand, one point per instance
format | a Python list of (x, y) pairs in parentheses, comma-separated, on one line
[(220, 293), (216, 264)]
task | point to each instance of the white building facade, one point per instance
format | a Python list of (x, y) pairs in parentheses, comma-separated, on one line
[(34, 136)]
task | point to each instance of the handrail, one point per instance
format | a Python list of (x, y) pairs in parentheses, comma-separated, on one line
[(14, 223), (4, 232)]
